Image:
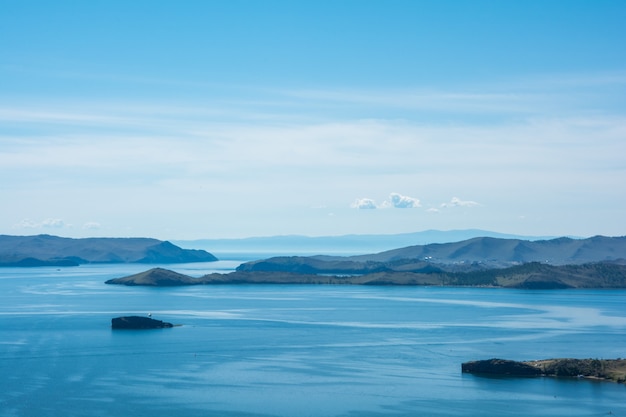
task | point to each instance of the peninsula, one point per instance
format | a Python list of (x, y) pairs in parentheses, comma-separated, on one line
[(602, 369), (527, 276)]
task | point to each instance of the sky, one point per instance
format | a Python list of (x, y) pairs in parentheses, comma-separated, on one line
[(228, 119)]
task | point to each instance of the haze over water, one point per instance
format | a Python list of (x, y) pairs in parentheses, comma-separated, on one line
[(278, 350)]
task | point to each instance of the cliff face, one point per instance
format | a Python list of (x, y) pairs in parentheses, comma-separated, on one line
[(46, 250)]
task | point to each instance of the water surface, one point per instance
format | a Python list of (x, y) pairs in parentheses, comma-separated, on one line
[(280, 350)]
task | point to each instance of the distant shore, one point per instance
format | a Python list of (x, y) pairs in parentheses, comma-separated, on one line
[(599, 369), (533, 277)]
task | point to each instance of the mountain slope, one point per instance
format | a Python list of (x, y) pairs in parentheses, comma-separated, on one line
[(53, 250), (472, 254), (530, 276), (560, 251)]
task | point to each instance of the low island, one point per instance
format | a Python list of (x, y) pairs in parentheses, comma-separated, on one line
[(532, 276), (600, 369), (138, 323)]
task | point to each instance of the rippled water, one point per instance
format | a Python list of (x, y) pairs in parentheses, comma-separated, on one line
[(280, 350)]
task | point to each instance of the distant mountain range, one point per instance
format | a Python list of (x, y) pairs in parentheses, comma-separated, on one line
[(46, 250), (468, 255), (341, 245), (597, 262)]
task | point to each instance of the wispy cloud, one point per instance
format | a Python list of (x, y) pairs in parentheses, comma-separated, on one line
[(50, 223), (92, 226), (457, 202), (53, 223), (439, 101), (206, 158)]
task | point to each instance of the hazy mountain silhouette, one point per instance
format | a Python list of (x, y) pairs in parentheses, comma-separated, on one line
[(42, 250), (345, 244), (472, 254)]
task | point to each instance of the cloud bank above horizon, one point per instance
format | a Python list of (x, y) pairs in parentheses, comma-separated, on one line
[(285, 132)]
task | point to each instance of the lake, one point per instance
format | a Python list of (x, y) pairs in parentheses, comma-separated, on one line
[(286, 350)]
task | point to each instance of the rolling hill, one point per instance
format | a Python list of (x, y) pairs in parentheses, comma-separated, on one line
[(47, 250), (468, 255), (532, 276)]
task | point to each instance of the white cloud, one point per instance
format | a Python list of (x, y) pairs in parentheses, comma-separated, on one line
[(49, 223), (457, 202), (53, 223), (364, 203), (395, 200), (91, 225), (403, 201), (26, 224), (199, 157)]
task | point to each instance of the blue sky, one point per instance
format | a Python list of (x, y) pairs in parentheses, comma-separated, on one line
[(200, 119)]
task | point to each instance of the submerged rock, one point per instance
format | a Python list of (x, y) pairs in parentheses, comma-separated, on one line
[(138, 323)]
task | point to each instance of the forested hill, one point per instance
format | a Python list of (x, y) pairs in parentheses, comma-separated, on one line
[(559, 251), (526, 276), (46, 250), (473, 254), (598, 262)]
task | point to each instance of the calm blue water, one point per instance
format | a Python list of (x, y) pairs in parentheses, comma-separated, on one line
[(279, 350)]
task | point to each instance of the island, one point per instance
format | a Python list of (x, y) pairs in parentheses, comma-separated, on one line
[(47, 250), (533, 276), (600, 369), (138, 323)]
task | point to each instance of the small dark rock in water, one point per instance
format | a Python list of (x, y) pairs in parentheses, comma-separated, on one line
[(500, 367), (138, 323)]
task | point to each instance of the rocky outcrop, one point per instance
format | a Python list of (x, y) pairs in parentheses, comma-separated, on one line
[(138, 323)]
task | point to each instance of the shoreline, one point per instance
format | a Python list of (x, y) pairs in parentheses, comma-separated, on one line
[(160, 277), (611, 370)]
